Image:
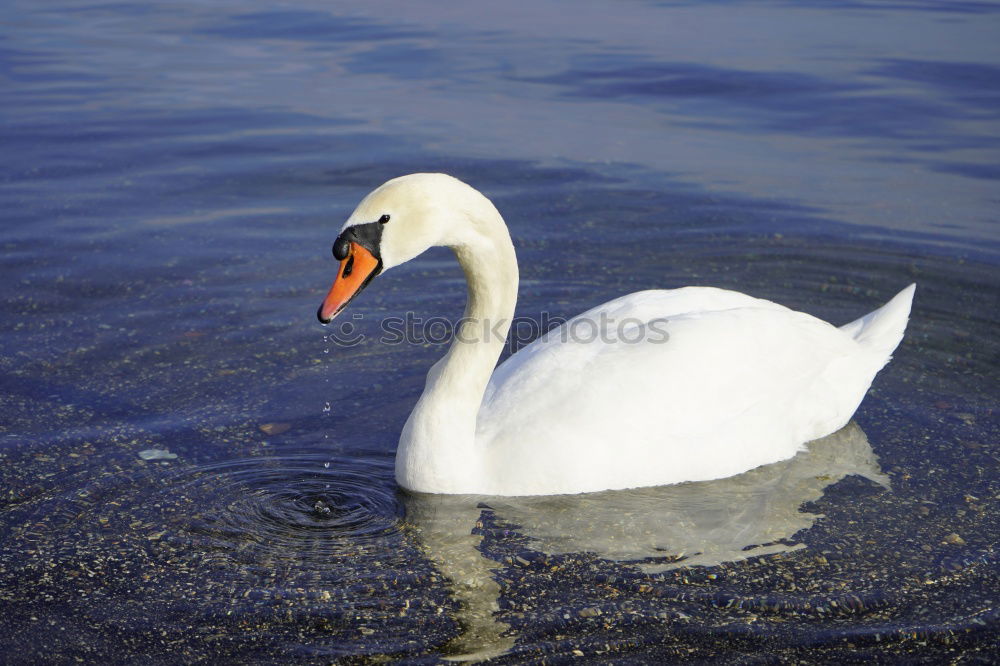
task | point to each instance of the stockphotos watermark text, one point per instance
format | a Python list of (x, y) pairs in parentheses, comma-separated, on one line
[(414, 330)]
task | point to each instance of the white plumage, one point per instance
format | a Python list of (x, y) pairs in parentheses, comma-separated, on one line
[(652, 388), (739, 382)]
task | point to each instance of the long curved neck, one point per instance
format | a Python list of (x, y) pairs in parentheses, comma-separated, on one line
[(437, 450)]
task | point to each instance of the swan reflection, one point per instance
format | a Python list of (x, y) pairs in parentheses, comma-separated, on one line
[(691, 524)]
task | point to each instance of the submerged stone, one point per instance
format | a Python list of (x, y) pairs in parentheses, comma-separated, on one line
[(157, 454)]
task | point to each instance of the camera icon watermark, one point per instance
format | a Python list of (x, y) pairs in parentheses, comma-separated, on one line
[(517, 332), (347, 332)]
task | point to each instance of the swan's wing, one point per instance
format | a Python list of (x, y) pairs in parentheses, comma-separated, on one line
[(721, 384), (641, 306)]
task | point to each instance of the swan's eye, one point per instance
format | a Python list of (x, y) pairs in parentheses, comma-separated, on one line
[(383, 219), (340, 249)]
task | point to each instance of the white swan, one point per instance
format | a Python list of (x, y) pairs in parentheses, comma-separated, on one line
[(684, 384)]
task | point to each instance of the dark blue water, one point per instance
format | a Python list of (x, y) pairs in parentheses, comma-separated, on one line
[(172, 176)]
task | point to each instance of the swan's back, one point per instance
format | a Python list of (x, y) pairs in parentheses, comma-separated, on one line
[(702, 383)]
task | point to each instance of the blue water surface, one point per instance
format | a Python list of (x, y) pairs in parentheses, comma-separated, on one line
[(172, 176)]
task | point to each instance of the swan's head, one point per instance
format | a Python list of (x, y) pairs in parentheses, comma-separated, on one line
[(396, 222)]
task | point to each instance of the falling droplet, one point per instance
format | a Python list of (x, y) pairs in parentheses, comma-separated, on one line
[(327, 465), (326, 407)]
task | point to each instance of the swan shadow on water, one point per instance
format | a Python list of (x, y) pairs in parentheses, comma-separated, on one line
[(701, 523)]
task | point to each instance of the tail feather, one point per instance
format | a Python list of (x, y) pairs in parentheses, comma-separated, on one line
[(882, 330)]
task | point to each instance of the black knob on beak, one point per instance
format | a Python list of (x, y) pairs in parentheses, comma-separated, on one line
[(341, 247)]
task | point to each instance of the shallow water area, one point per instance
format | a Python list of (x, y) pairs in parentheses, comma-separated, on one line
[(192, 468)]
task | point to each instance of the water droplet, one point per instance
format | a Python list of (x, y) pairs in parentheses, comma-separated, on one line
[(326, 407), (327, 465), (321, 508)]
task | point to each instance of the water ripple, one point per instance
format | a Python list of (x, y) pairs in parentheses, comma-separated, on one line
[(305, 508), (305, 552)]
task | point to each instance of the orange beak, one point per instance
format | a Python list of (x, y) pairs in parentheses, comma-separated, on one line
[(356, 271)]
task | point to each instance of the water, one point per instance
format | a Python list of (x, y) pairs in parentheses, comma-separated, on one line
[(173, 176)]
